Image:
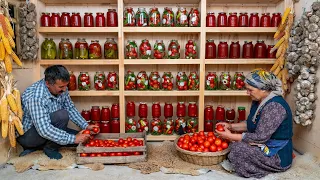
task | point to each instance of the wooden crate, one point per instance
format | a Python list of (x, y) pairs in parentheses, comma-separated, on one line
[(113, 159)]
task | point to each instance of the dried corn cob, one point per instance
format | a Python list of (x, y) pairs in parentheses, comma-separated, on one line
[(18, 125), (7, 45), (11, 42), (3, 25), (9, 27), (8, 64), (2, 51), (12, 103), (16, 94), (16, 59), (12, 135), (4, 128), (4, 109), (285, 15)]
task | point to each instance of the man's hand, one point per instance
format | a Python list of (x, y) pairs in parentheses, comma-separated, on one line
[(94, 128), (81, 137)]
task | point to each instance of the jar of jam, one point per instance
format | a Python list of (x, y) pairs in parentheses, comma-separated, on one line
[(180, 122), (84, 81), (238, 81), (65, 19), (154, 17), (81, 49), (143, 125), (45, 20), (211, 49), (105, 127), (131, 124), (225, 81), (192, 109), (211, 81), (241, 114), (194, 18), (156, 126), (243, 19), (86, 115), (182, 81), (72, 82), (220, 114), (174, 50), (110, 49), (167, 81), (75, 19), (211, 19), (105, 113), (254, 20), (181, 109), (142, 81), (88, 19), (55, 19), (142, 17), (129, 18), (65, 49), (233, 19), (260, 49), (112, 18), (269, 54), (191, 50), (265, 20), (234, 50), (168, 109), (100, 20), (115, 111), (182, 17), (222, 20), (145, 49), (193, 81), (168, 126), (130, 81), (168, 17), (154, 81), (115, 125), (247, 50), (276, 19), (112, 81), (95, 50), (100, 80), (192, 125), (208, 112), (143, 110), (131, 50), (95, 113), (159, 50), (223, 50), (230, 115)]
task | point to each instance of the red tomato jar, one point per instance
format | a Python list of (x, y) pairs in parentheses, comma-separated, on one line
[(211, 19), (55, 20), (234, 50), (233, 19), (100, 20), (220, 114), (222, 19), (241, 114), (105, 113), (265, 20), (181, 109), (208, 125), (223, 50), (143, 110), (247, 50), (72, 82), (230, 115), (243, 20), (45, 20), (86, 115), (273, 54), (112, 18), (192, 109), (254, 20), (115, 125), (276, 19), (211, 49), (95, 113), (75, 20), (168, 110), (208, 112), (115, 111), (105, 127), (260, 49), (131, 109), (156, 110), (88, 19), (65, 19)]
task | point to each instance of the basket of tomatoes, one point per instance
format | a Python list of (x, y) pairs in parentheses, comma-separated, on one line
[(201, 148)]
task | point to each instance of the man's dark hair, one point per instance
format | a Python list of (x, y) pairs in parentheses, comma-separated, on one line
[(56, 72)]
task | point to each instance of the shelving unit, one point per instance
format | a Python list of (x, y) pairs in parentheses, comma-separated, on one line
[(84, 99)]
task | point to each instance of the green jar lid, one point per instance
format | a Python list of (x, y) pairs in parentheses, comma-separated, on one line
[(241, 108)]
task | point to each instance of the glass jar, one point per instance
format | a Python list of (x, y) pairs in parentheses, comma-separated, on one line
[(260, 49), (65, 19), (45, 20), (48, 49), (269, 54), (182, 81), (238, 81), (182, 17), (55, 19), (75, 19), (243, 19), (230, 115), (180, 121), (156, 126), (220, 114), (100, 20), (95, 113), (211, 81), (194, 18), (84, 81), (193, 81), (115, 111), (233, 19), (181, 109), (276, 19), (254, 20), (154, 17), (211, 49), (192, 109), (105, 127), (131, 50), (154, 81), (142, 17), (223, 50), (100, 80), (142, 81), (131, 124), (168, 109), (110, 49), (112, 18), (86, 114), (174, 50), (145, 49), (129, 17), (143, 125), (130, 81), (115, 125), (234, 50), (247, 50), (159, 50), (112, 81), (192, 125), (225, 81), (65, 49), (95, 50), (88, 19), (167, 81), (241, 114), (208, 125), (131, 109), (211, 19), (191, 50), (222, 19), (208, 112), (81, 49), (156, 109), (168, 17), (105, 113), (168, 126), (72, 82), (143, 110), (265, 20)]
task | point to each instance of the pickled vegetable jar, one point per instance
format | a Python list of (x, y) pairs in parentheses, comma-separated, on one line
[(100, 20), (84, 81), (100, 80), (211, 19), (220, 114), (72, 82), (142, 17), (154, 81), (254, 20), (156, 126), (129, 18), (225, 81), (265, 20), (276, 19), (154, 17), (75, 19), (180, 121), (55, 19), (65, 19), (192, 125), (223, 50), (159, 50), (48, 49), (174, 50), (112, 18), (211, 81), (269, 54), (182, 81), (233, 19), (211, 49), (168, 126), (243, 19), (112, 81), (247, 50), (143, 125), (130, 81), (168, 17), (230, 115), (45, 20), (145, 49), (238, 81), (191, 50), (131, 124), (65, 49), (222, 19), (110, 49), (260, 49), (131, 50), (167, 81), (142, 81), (234, 50), (193, 82), (88, 19), (182, 17), (81, 49), (194, 18), (95, 50)]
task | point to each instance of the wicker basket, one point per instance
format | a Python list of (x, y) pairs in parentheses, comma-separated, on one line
[(201, 158)]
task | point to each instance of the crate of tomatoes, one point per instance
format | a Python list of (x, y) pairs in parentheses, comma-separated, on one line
[(202, 148), (113, 148)]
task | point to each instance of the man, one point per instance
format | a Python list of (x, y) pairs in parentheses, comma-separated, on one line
[(47, 109)]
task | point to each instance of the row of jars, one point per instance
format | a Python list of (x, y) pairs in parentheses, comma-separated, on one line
[(259, 50), (65, 20), (81, 49), (159, 50), (243, 20), (153, 19), (224, 81), (101, 81)]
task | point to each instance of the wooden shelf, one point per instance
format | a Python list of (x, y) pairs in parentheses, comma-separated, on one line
[(79, 1), (244, 2), (162, 29), (63, 30), (161, 93), (240, 61), (161, 61), (83, 62), (161, 137), (94, 93), (161, 2), (241, 29), (225, 93)]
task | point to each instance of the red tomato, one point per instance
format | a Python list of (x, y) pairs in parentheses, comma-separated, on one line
[(104, 154), (92, 143), (187, 137), (113, 154), (96, 130), (125, 154), (181, 139), (83, 154), (206, 144), (217, 142), (206, 150), (210, 140), (201, 133), (193, 140), (185, 146), (129, 139), (213, 148), (119, 154), (99, 154), (220, 127), (86, 131), (136, 153), (202, 146), (120, 141), (210, 134), (192, 148), (93, 155), (224, 145), (219, 148)]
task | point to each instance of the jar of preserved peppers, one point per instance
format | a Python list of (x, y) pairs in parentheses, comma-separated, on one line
[(81, 49), (182, 17), (72, 82), (276, 19), (254, 20), (233, 19), (223, 50), (86, 114), (194, 18), (220, 114), (238, 81), (84, 81), (247, 50), (131, 50), (115, 125), (180, 121), (130, 81), (100, 20), (168, 126), (265, 20), (65, 49), (191, 50), (95, 50), (211, 81), (182, 81), (241, 114), (211, 19), (156, 124), (260, 49), (45, 20), (145, 49), (192, 125), (174, 50), (142, 81), (112, 81), (243, 19), (269, 54), (230, 115), (222, 19), (75, 19), (88, 19), (131, 124), (168, 17), (154, 17), (143, 125), (159, 50), (100, 80), (167, 81), (55, 19), (95, 113), (234, 50), (110, 49), (193, 81), (65, 19), (129, 18), (154, 81), (115, 111), (142, 17), (112, 18), (105, 113), (48, 49), (211, 49), (225, 81)]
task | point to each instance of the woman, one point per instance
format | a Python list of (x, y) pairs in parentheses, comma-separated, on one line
[(265, 146)]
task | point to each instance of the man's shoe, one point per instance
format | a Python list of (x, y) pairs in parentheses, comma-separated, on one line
[(52, 154), (26, 151)]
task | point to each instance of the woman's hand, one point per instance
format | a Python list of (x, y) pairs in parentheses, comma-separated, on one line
[(225, 125), (226, 134)]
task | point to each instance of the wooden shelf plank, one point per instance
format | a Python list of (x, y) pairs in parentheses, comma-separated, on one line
[(225, 93), (244, 1), (83, 62), (60, 30), (79, 1), (241, 29), (162, 29), (161, 93), (161, 137), (240, 61), (161, 61), (161, 2), (94, 93)]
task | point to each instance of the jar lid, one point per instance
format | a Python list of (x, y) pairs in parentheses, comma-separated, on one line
[(105, 107), (111, 9), (100, 13), (63, 39), (254, 13), (266, 13), (143, 103), (99, 72), (156, 103), (241, 108), (276, 13), (83, 72), (65, 13), (233, 13), (104, 122), (210, 12), (260, 41), (210, 40), (243, 13), (210, 106), (168, 103), (192, 102), (95, 107), (222, 12), (247, 42)]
